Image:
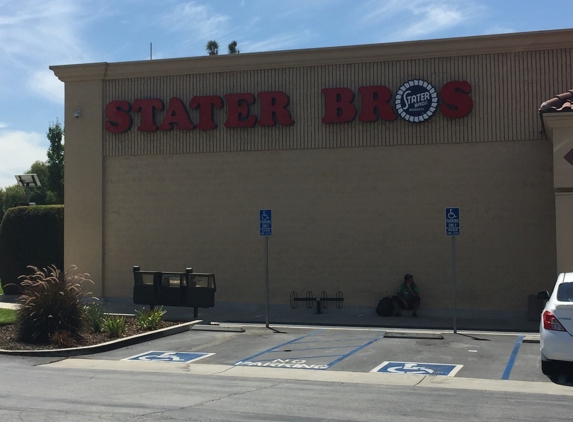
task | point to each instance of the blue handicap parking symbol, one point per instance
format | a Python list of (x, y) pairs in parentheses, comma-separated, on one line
[(173, 357), (266, 222), (418, 368), (452, 221)]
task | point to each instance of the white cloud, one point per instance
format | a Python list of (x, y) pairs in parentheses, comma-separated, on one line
[(18, 151), (279, 42), (419, 18), (433, 19), (42, 31), (37, 33), (46, 84), (196, 19), (305, 9)]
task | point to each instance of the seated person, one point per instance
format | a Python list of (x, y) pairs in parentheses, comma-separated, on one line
[(407, 298)]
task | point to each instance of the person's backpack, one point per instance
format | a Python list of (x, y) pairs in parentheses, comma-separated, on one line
[(384, 307)]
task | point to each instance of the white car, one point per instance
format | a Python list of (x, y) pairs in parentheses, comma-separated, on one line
[(556, 328)]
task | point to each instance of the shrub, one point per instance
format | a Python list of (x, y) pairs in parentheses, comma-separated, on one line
[(51, 301), (30, 236), (94, 317), (114, 325), (63, 340), (149, 320)]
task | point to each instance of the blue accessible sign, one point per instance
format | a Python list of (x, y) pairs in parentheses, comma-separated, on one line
[(417, 368), (265, 222), (172, 357), (452, 221)]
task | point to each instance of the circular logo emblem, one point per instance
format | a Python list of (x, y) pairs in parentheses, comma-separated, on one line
[(416, 101)]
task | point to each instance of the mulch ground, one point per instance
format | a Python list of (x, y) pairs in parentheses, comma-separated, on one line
[(9, 337)]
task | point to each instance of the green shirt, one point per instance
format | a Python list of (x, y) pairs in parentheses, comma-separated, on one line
[(405, 291)]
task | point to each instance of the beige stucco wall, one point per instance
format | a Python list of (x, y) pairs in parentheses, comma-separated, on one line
[(354, 220), (355, 205), (559, 128), (83, 231)]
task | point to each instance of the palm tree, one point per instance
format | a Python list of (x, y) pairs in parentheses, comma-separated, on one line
[(233, 48), (212, 48)]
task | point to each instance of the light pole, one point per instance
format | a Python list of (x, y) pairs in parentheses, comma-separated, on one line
[(27, 181)]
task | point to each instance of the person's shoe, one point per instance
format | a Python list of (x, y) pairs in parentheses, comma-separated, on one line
[(397, 314), (415, 314)]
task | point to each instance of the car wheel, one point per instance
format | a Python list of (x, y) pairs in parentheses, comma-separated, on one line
[(548, 367)]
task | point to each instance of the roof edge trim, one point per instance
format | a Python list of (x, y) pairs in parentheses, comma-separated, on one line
[(409, 50)]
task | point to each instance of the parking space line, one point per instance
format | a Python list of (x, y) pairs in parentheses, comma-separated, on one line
[(300, 362), (301, 357), (334, 362), (333, 341), (512, 358), (271, 349), (321, 348)]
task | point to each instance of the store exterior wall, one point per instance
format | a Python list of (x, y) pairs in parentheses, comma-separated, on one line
[(355, 205), (559, 128)]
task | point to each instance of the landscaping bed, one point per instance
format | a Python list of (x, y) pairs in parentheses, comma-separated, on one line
[(9, 337)]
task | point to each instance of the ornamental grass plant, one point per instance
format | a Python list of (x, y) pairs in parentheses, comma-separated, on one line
[(114, 325), (94, 317), (149, 320), (51, 302)]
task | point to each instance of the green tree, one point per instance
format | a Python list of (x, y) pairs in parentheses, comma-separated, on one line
[(212, 48), (1, 204), (55, 180), (50, 173), (233, 48), (13, 196), (41, 195)]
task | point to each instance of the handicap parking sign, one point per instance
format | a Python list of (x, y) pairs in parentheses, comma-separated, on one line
[(172, 357), (418, 368), (265, 222), (452, 221)]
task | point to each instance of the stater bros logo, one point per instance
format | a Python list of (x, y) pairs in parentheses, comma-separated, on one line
[(416, 101)]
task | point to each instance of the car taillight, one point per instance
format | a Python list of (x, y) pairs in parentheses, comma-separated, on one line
[(551, 323)]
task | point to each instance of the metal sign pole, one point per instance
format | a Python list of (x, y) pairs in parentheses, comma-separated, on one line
[(453, 230), (267, 277), (454, 278), (266, 230)]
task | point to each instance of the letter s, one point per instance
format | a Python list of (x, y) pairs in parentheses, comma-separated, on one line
[(118, 115), (456, 101)]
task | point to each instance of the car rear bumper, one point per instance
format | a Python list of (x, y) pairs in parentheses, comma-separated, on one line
[(556, 345)]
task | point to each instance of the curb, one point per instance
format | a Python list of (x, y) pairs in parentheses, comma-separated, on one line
[(414, 335), (104, 347), (412, 326), (218, 328), (532, 338)]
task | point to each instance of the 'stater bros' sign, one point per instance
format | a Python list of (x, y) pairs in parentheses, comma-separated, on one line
[(416, 102)]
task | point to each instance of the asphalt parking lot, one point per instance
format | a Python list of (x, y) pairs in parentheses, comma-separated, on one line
[(480, 355)]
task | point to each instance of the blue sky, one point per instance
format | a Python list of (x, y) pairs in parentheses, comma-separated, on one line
[(35, 34)]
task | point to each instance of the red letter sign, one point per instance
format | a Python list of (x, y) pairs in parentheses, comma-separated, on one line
[(206, 104), (238, 110), (376, 98), (176, 115), (456, 99), (338, 107), (118, 117), (147, 108), (274, 109)]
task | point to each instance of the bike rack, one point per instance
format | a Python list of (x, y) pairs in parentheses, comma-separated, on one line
[(321, 301)]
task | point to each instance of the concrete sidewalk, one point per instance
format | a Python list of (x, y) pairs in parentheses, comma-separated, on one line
[(347, 316), (8, 305)]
